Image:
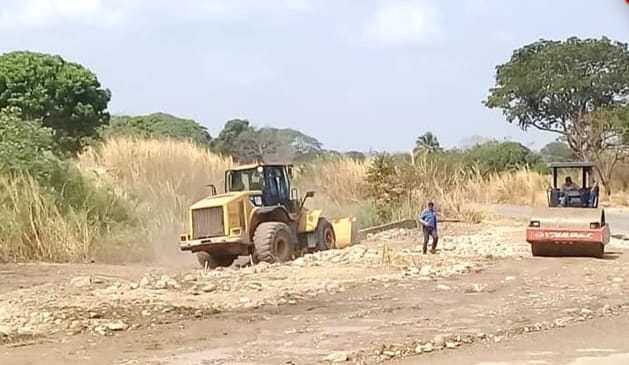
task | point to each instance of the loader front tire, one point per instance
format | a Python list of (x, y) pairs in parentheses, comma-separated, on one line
[(326, 238), (214, 261), (273, 242)]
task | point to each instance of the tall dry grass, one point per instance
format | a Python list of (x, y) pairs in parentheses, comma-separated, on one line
[(158, 179), (521, 187), (339, 187), (162, 178), (34, 228), (37, 226)]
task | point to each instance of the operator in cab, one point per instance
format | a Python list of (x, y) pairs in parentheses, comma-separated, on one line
[(568, 187)]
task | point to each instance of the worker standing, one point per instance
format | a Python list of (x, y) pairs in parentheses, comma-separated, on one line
[(428, 220)]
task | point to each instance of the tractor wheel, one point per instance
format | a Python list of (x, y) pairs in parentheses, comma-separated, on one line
[(540, 249), (214, 261), (600, 252), (273, 242), (596, 251), (326, 238)]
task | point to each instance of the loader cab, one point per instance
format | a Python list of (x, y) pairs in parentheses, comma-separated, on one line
[(575, 190), (273, 181)]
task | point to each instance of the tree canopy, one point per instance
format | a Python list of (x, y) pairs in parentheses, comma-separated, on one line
[(609, 140), (264, 144), (427, 142), (158, 125), (554, 85), (64, 96), (245, 142), (557, 152), (495, 156), (226, 139)]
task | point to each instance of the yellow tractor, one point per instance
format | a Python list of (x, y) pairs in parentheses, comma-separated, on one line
[(260, 214)]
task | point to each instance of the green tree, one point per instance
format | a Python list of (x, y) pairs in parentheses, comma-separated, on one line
[(25, 146), (355, 155), (554, 85), (233, 128), (245, 142), (494, 156), (64, 96), (383, 186), (609, 141), (158, 125), (264, 144), (428, 143), (557, 152), (304, 146)]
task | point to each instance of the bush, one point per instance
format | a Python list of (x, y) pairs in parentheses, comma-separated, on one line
[(50, 210), (25, 146), (73, 221)]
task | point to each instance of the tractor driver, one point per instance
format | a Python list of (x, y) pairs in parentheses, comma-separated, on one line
[(569, 185), (566, 188)]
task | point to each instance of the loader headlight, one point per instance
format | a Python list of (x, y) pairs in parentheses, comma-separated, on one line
[(534, 224), (595, 225)]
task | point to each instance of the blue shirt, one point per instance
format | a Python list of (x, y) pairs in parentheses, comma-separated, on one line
[(429, 216)]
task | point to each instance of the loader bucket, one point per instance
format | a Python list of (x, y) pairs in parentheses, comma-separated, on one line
[(346, 231), (568, 232)]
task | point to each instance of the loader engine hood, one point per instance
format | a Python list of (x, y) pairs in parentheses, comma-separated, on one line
[(575, 218), (221, 215), (224, 199)]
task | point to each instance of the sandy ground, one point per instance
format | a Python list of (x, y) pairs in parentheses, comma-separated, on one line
[(597, 342), (481, 300)]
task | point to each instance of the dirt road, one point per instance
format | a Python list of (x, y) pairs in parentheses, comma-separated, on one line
[(381, 301), (598, 342)]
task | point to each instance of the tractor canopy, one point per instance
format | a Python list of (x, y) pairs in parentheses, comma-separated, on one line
[(570, 193)]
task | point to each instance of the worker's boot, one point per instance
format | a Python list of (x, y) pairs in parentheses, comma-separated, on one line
[(433, 249)]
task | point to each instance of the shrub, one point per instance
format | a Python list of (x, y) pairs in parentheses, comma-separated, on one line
[(50, 211)]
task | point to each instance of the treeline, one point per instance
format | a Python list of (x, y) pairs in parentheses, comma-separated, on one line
[(239, 138)]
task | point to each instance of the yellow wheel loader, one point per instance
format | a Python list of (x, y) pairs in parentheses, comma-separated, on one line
[(260, 214)]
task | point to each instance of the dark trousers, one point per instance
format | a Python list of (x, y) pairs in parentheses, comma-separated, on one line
[(428, 232)]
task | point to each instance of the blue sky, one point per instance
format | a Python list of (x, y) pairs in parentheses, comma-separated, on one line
[(356, 74)]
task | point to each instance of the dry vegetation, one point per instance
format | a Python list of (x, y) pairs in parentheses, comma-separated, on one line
[(153, 182), (161, 178)]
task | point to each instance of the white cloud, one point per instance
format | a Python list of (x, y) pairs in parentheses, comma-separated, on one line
[(50, 13), (42, 14), (487, 7), (404, 22), (226, 9)]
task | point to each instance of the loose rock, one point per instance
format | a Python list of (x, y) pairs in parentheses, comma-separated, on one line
[(337, 357), (81, 281), (209, 288), (116, 326)]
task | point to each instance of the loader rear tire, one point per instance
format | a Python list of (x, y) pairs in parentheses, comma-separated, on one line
[(273, 242), (326, 238), (214, 261)]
